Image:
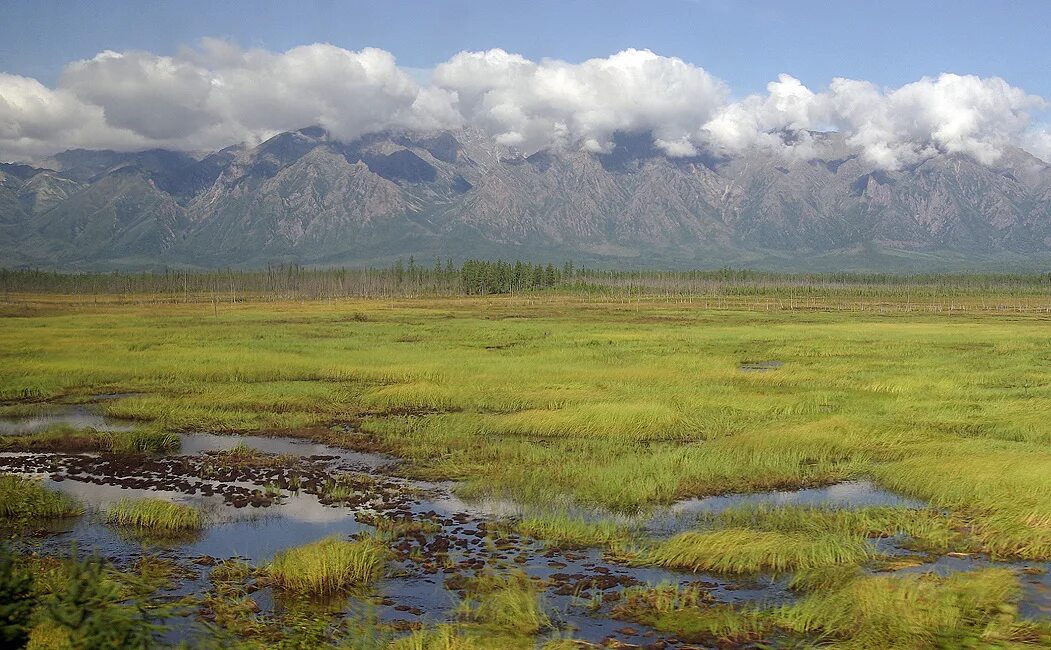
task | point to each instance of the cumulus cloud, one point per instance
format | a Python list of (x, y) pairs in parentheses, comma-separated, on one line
[(951, 113), (216, 94), (552, 103), (213, 96), (758, 120), (890, 128)]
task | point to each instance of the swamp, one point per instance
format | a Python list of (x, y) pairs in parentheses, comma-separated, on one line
[(604, 461)]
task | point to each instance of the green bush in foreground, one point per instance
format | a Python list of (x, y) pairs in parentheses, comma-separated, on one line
[(155, 515), (23, 499), (16, 601), (328, 566), (86, 608)]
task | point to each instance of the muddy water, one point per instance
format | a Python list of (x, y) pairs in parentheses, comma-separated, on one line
[(248, 524)]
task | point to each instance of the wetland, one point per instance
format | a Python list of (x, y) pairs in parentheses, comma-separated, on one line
[(545, 471)]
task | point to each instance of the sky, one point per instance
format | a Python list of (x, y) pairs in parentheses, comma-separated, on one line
[(697, 73)]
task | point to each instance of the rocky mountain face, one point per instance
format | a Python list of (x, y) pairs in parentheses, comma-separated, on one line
[(302, 196)]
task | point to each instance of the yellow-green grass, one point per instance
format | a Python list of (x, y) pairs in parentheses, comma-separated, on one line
[(566, 531), (467, 636), (24, 499), (689, 613), (71, 439), (506, 602), (328, 566), (606, 403), (971, 609), (823, 543), (156, 515), (742, 550)]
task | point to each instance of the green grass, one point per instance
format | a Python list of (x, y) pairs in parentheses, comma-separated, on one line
[(155, 515), (741, 550), (909, 612), (328, 566), (689, 613), (439, 637), (823, 543), (24, 499), (974, 609), (565, 531), (617, 404), (506, 602), (65, 438)]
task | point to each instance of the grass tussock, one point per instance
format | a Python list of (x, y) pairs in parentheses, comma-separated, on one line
[(974, 609), (155, 515), (564, 531), (328, 566), (690, 613), (505, 602), (742, 550), (439, 637), (24, 499)]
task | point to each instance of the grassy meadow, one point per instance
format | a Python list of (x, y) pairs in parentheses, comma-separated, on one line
[(622, 404)]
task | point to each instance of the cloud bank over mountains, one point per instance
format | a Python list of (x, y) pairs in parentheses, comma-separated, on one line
[(218, 94)]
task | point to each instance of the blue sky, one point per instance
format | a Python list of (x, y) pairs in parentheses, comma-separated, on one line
[(959, 76), (745, 43)]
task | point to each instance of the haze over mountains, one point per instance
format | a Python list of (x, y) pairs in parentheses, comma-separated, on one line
[(303, 196)]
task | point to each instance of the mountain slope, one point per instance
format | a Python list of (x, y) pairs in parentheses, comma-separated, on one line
[(302, 196)]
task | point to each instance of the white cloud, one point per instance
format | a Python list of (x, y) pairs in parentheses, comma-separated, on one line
[(755, 120), (1038, 142), (951, 113), (552, 103), (216, 94), (890, 128)]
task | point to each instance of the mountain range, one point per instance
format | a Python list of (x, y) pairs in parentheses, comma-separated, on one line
[(304, 197)]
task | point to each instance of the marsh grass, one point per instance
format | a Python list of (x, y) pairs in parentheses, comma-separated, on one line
[(742, 550), (155, 515), (820, 544), (972, 609), (328, 566), (71, 439), (565, 531), (510, 601), (24, 500), (439, 637), (690, 613), (602, 402)]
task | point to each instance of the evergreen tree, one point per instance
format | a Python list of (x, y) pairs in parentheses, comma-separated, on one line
[(16, 601)]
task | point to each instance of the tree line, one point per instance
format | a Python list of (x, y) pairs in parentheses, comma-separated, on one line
[(408, 278)]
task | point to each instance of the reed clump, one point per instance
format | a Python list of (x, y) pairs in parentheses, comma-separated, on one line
[(328, 566), (24, 499), (507, 602), (155, 515)]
